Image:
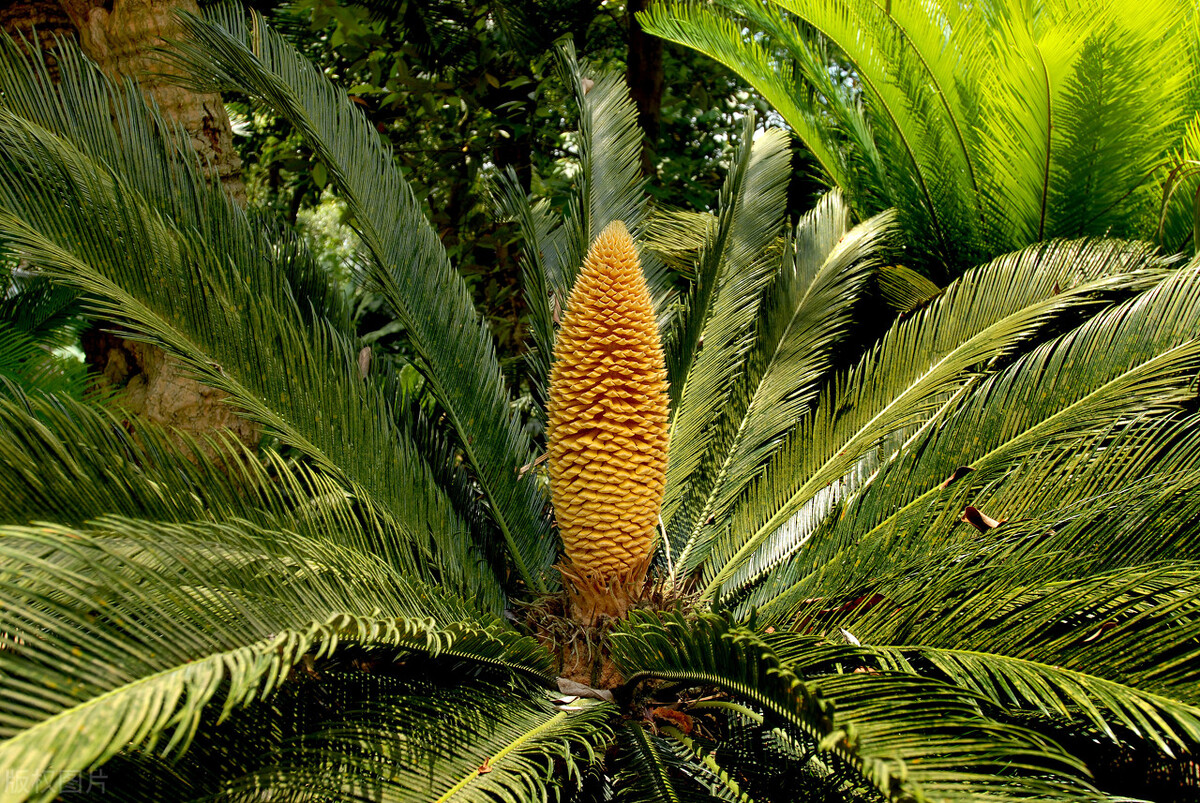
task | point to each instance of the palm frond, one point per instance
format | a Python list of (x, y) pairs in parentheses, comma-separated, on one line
[(911, 84), (609, 186), (987, 127), (84, 613), (678, 236), (72, 462), (1101, 181), (723, 39), (1061, 406), (1023, 620), (643, 771), (543, 275), (732, 265), (735, 264), (1082, 506), (213, 295), (808, 309), (903, 289), (906, 736), (915, 374), (1019, 683), (26, 364), (1137, 625), (407, 263), (720, 783), (1118, 711), (668, 768), (69, 462), (466, 741)]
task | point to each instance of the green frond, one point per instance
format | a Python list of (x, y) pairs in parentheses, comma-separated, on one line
[(734, 265), (1021, 620), (1117, 711), (722, 38), (668, 767), (84, 613), (209, 289), (1019, 683), (1137, 625), (643, 774), (27, 365), (1061, 406), (911, 83), (407, 264), (36, 320), (908, 737), (678, 236), (415, 739), (1179, 207), (543, 275), (917, 373), (987, 126), (71, 462), (1080, 506), (808, 309), (720, 783), (611, 186), (608, 186), (903, 289)]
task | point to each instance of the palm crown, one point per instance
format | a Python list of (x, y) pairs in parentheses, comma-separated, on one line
[(955, 564), (987, 125)]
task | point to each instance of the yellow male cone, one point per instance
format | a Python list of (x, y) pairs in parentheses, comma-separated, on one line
[(608, 423)]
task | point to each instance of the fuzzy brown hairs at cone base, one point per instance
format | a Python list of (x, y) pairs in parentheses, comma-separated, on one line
[(608, 425)]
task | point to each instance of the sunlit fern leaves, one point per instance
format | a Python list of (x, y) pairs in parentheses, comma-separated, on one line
[(406, 263), (917, 372), (987, 126), (807, 308)]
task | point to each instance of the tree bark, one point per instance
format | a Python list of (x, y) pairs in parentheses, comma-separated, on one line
[(120, 35), (644, 74), (45, 17)]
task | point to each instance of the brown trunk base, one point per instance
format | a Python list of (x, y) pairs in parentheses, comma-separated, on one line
[(149, 383), (580, 650), (592, 599)]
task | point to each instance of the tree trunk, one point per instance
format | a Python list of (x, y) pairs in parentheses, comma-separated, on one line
[(644, 74), (119, 35), (47, 18)]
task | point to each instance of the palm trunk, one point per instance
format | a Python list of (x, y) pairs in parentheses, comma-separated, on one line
[(644, 74), (120, 36)]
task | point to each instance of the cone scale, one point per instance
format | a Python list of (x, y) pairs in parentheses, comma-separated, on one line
[(608, 426)]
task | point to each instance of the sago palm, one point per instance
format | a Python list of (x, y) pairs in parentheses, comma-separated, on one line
[(956, 563), (988, 125)]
